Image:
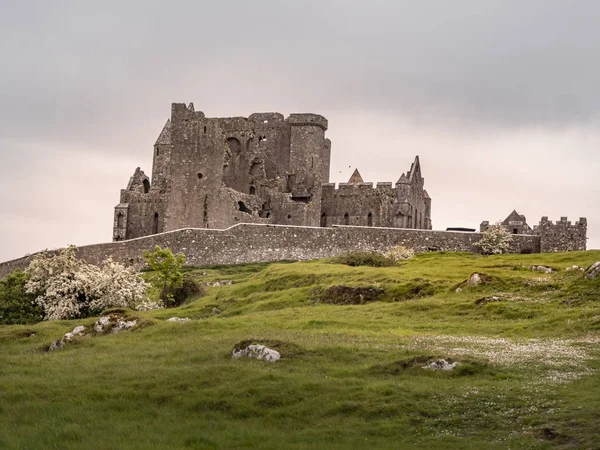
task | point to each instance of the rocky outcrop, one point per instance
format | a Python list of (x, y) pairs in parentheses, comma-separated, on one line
[(543, 269), (475, 279), (441, 364), (257, 351), (113, 323), (179, 319), (593, 271), (68, 337)]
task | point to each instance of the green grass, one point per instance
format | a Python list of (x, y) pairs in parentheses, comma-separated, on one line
[(351, 375)]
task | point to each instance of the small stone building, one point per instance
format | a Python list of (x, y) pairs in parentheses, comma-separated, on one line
[(561, 236), (265, 168)]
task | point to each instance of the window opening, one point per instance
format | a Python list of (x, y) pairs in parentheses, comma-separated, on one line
[(155, 224)]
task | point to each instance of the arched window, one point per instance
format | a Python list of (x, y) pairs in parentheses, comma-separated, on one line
[(252, 190), (370, 220), (346, 219), (146, 184), (323, 220), (155, 224)]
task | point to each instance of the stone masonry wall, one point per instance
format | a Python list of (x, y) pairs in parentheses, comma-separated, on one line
[(247, 243), (562, 236)]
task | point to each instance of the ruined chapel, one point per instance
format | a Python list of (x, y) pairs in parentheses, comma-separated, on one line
[(218, 172)]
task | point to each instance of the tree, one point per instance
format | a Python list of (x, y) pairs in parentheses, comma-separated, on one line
[(16, 305), (495, 240), (167, 275), (67, 288)]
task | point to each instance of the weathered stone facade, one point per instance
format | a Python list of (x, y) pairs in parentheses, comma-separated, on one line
[(562, 236), (406, 205), (247, 243), (218, 172)]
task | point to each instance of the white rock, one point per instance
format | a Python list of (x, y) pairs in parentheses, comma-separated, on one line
[(123, 325), (178, 319), (593, 271), (101, 323), (542, 269), (78, 331), (56, 345), (441, 364), (258, 352), (474, 279), (118, 324)]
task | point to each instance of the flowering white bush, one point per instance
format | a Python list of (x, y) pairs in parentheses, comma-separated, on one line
[(67, 287), (399, 253), (495, 240)]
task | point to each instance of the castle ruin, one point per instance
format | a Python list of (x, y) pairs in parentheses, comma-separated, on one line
[(264, 169), (562, 236)]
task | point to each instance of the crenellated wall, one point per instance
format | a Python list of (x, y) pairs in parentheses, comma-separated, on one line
[(562, 236), (247, 243)]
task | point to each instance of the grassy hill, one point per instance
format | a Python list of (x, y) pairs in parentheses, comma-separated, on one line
[(350, 376)]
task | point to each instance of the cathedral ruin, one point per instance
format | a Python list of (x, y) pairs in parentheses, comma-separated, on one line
[(218, 172)]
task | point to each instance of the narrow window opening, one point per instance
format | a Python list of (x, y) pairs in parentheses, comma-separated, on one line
[(155, 224), (157, 151), (370, 220), (252, 190), (268, 215), (515, 231), (204, 129), (323, 220), (346, 219), (146, 184), (120, 218)]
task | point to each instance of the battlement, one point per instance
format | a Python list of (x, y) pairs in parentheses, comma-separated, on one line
[(357, 188), (544, 221), (267, 118), (307, 119)]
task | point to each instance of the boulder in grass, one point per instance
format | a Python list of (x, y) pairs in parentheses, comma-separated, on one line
[(441, 364), (542, 269), (257, 351), (593, 271), (113, 323), (68, 337), (179, 319)]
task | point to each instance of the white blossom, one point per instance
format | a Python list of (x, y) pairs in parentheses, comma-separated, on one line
[(67, 287), (495, 240)]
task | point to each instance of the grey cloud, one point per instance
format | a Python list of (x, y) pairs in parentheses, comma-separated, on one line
[(492, 63)]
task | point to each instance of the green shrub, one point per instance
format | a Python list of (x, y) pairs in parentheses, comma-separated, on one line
[(168, 276), (177, 296), (16, 306), (372, 259)]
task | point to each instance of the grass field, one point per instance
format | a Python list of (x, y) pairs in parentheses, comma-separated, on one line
[(350, 376)]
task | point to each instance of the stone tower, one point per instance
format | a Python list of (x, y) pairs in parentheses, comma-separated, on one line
[(217, 172)]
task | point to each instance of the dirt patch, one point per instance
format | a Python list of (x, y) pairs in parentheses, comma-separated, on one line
[(348, 295)]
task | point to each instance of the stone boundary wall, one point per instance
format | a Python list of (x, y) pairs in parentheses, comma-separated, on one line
[(248, 243)]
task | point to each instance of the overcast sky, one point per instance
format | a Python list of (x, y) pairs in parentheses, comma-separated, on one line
[(500, 99)]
